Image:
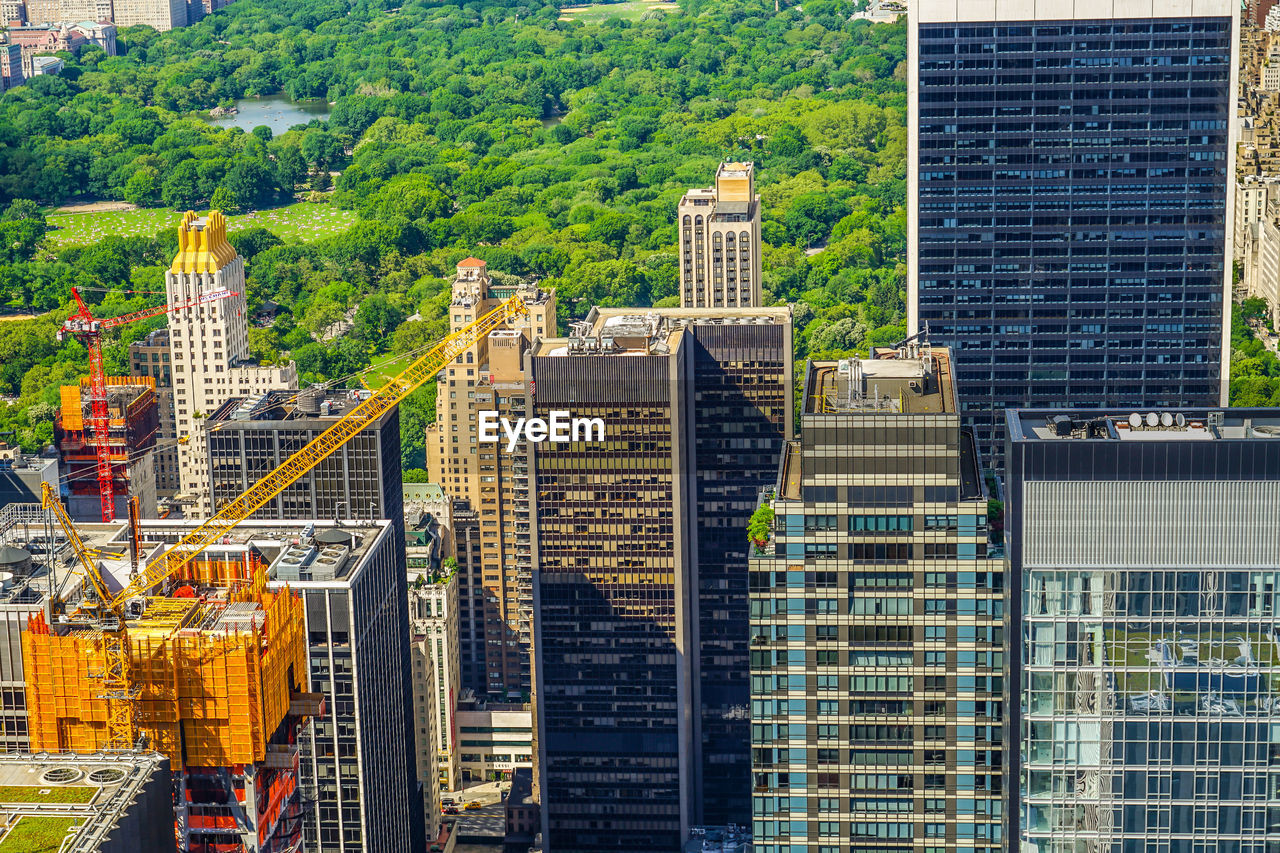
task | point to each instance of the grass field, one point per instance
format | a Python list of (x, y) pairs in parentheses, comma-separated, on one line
[(36, 835), (299, 222), (631, 10), (56, 793), (383, 368)]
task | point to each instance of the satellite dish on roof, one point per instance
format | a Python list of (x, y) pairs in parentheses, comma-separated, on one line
[(1166, 419), (1180, 419), (1135, 420), (1152, 419)]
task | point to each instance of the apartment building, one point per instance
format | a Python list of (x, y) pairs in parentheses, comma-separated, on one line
[(720, 241), (876, 622), (496, 595)]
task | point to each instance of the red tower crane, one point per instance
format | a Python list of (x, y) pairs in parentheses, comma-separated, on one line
[(88, 330)]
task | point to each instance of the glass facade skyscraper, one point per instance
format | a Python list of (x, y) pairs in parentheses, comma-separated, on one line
[(640, 588), (876, 624), (1069, 218), (1143, 589)]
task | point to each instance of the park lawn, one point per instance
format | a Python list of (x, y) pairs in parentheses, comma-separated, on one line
[(37, 835), (631, 10), (300, 222), (56, 793), (383, 368)]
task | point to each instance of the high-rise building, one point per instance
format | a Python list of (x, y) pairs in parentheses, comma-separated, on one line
[(1142, 596), (720, 241), (133, 413), (150, 357), (640, 658), (876, 614), (488, 376), (1070, 173), (11, 68), (220, 681), (248, 437), (471, 598), (22, 476), (209, 345), (433, 644), (359, 762)]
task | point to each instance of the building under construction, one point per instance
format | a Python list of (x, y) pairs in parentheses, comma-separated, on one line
[(219, 668), (134, 413)]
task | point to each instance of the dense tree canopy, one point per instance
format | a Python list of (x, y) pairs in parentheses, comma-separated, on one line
[(554, 150)]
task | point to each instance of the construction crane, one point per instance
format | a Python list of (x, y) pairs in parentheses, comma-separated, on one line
[(107, 610), (88, 329)]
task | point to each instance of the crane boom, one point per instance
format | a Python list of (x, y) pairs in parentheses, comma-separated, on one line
[(324, 445), (49, 499)]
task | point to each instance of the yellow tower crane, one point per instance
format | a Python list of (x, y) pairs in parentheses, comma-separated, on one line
[(107, 609)]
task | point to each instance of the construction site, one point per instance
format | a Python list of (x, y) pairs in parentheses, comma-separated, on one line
[(133, 420), (217, 672), (193, 639)]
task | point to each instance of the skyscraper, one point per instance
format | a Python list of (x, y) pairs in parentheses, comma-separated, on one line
[(1143, 604), (358, 763), (248, 437), (641, 658), (720, 241), (1070, 174), (490, 376), (209, 344), (876, 613)]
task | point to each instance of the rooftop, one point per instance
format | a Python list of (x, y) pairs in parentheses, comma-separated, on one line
[(263, 411), (1144, 425), (654, 331), (913, 379), (73, 802)]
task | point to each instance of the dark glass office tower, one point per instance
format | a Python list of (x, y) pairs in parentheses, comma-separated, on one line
[(1143, 584), (640, 575), (1069, 217)]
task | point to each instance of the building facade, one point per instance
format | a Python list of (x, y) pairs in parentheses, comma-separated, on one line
[(248, 437), (634, 738), (358, 762), (209, 345), (150, 357), (494, 741), (1142, 591), (720, 241), (433, 644), (876, 614), (1069, 219), (494, 481), (11, 70), (133, 413)]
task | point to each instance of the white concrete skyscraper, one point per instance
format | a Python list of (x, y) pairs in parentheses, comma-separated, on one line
[(209, 344)]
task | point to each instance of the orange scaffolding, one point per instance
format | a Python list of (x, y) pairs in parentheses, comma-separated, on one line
[(214, 678)]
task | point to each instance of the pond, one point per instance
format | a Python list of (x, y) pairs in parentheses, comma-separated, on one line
[(275, 111)]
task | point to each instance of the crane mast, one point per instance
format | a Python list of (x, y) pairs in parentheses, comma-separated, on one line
[(88, 329), (119, 689)]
